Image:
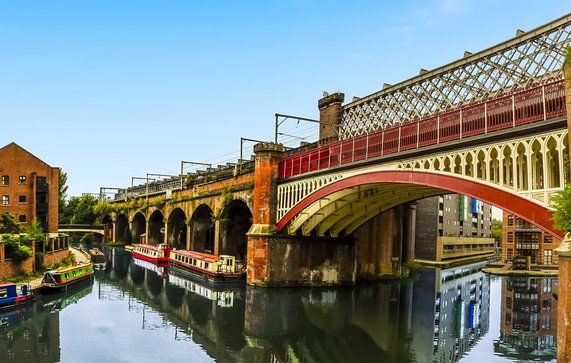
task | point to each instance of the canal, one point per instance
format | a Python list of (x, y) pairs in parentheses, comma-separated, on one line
[(135, 312)]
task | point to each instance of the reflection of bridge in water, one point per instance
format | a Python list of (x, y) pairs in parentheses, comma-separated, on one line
[(235, 323), (440, 316)]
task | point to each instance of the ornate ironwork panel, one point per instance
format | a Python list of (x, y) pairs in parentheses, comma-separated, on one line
[(529, 58)]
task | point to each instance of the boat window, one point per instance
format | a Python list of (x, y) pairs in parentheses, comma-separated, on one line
[(206, 265), (66, 275), (229, 262), (73, 273), (3, 294)]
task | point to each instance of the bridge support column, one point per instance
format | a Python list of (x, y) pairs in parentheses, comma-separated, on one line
[(264, 209), (217, 237), (409, 231), (564, 301)]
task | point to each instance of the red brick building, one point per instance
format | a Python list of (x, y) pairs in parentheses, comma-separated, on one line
[(521, 238), (28, 188)]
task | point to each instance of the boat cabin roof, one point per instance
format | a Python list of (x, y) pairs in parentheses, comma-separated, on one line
[(6, 284), (202, 255)]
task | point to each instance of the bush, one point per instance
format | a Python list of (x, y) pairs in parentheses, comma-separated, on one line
[(562, 204), (17, 247)]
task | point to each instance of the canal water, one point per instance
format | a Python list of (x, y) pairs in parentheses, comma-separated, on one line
[(135, 312)]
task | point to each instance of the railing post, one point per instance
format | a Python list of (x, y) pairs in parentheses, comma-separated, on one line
[(367, 146), (438, 129), (398, 146), (513, 110), (353, 151), (460, 124), (485, 117), (417, 134), (383, 143), (544, 105)]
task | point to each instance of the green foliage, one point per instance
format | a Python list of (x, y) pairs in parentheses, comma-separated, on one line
[(82, 209), (567, 55), (496, 230), (159, 202), (9, 224), (409, 268), (62, 188), (226, 197), (102, 208), (562, 204), (89, 238), (17, 247), (35, 231)]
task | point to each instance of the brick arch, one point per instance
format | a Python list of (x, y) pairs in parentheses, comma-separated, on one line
[(510, 202)]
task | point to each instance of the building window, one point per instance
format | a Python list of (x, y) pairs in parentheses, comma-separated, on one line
[(22, 218), (22, 179), (510, 237), (547, 260), (547, 238), (22, 199), (510, 254), (5, 180), (5, 200), (510, 220)]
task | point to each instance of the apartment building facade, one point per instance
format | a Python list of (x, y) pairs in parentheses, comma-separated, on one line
[(460, 226), (522, 239), (29, 188)]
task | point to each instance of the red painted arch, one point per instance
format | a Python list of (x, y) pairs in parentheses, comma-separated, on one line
[(509, 202)]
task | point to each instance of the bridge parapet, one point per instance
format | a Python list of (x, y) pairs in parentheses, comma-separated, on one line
[(191, 180), (536, 104)]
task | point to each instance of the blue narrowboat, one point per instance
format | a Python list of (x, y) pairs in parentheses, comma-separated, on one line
[(10, 297)]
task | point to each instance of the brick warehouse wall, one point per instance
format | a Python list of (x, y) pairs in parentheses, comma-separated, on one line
[(16, 162)]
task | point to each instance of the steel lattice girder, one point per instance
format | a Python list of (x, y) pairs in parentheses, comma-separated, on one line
[(529, 58)]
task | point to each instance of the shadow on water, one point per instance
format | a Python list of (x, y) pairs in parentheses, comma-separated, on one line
[(439, 317)]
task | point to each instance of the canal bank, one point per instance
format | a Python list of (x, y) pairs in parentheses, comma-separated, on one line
[(79, 257)]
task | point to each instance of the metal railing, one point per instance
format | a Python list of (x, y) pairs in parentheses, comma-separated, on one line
[(535, 104)]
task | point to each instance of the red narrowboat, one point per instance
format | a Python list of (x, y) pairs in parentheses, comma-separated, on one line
[(155, 254)]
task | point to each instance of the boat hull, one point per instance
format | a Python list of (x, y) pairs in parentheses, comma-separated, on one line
[(208, 275), (17, 301), (48, 288), (155, 260)]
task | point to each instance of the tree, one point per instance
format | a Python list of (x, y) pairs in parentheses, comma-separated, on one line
[(562, 204), (497, 230), (8, 224), (83, 209), (62, 185), (35, 231)]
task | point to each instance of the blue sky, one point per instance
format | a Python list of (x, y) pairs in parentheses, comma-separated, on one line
[(108, 90)]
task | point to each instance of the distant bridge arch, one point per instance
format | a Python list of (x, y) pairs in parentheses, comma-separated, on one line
[(81, 228)]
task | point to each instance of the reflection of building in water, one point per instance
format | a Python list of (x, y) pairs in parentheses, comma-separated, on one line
[(30, 336), (528, 327), (459, 316), (224, 298)]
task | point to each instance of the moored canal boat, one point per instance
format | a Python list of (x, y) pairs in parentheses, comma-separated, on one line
[(60, 279), (155, 254), (97, 258), (9, 296), (212, 267)]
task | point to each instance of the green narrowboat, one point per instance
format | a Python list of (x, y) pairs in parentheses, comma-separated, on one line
[(60, 279)]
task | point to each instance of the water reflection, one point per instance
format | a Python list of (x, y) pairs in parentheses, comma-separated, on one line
[(133, 307), (528, 319)]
